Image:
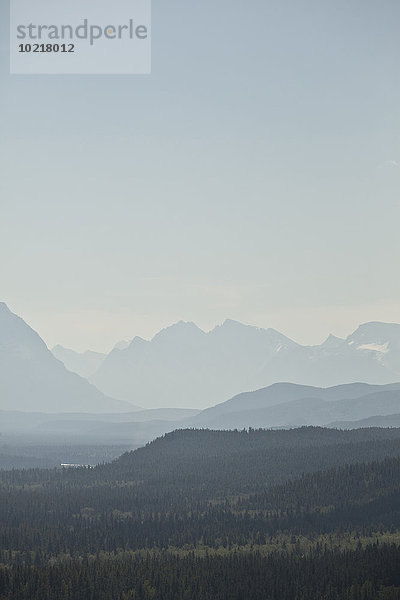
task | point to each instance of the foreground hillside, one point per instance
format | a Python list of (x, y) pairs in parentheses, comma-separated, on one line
[(204, 515)]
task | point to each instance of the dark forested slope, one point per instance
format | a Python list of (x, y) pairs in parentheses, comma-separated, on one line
[(318, 505)]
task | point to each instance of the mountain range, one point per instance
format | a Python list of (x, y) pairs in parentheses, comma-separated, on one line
[(187, 368), (183, 366)]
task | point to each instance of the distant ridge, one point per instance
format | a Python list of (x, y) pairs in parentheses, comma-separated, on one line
[(388, 421), (183, 366), (84, 364), (291, 405)]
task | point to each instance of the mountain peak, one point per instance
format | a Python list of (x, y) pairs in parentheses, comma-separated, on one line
[(32, 378), (180, 330), (232, 323), (332, 341), (376, 332), (14, 330), (377, 326), (135, 343)]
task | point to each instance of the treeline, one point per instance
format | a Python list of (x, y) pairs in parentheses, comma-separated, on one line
[(364, 574)]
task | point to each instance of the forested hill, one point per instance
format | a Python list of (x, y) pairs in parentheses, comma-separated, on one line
[(201, 465), (231, 462), (194, 443), (208, 515)]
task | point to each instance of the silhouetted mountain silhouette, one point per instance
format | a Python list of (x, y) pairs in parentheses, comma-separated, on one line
[(31, 378)]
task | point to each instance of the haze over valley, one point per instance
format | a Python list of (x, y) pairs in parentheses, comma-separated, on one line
[(233, 377)]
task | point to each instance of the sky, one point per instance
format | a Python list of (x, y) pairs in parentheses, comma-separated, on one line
[(254, 175)]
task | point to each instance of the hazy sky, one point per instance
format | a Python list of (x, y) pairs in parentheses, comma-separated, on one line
[(254, 175)]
